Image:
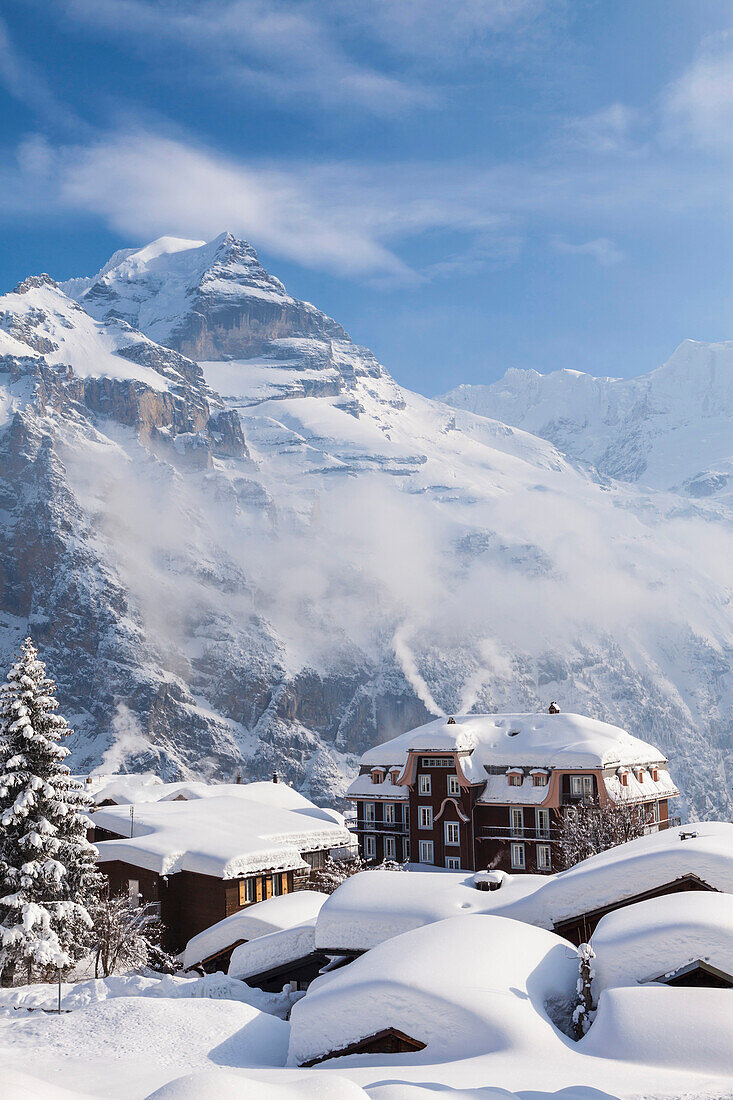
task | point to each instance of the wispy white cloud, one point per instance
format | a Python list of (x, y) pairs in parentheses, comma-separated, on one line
[(603, 250), (283, 50), (358, 219), (609, 130), (698, 107)]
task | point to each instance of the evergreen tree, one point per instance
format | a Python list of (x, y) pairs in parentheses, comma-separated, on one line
[(48, 874)]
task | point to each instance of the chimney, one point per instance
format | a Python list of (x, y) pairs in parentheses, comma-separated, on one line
[(239, 778), (451, 722), (275, 778), (553, 709), (89, 781)]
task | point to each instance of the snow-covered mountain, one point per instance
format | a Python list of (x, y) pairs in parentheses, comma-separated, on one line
[(669, 429), (241, 545)]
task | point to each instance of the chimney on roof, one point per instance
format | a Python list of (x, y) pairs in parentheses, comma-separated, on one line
[(553, 709), (275, 777), (239, 778), (89, 781), (451, 722)]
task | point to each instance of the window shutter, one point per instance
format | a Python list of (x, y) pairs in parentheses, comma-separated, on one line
[(258, 895)]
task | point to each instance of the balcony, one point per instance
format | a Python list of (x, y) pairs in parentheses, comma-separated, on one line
[(397, 828), (498, 832)]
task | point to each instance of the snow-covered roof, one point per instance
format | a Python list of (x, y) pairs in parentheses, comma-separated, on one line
[(529, 740), (275, 949), (463, 986), (272, 915), (375, 905), (363, 787), (679, 1029), (635, 868), (640, 790), (123, 788), (656, 937), (223, 836)]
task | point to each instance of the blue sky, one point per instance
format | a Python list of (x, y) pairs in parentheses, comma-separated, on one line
[(467, 185)]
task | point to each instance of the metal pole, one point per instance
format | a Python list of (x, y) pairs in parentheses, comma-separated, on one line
[(59, 991), (132, 822)]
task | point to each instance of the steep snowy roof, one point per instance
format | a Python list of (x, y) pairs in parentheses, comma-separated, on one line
[(656, 937), (261, 919), (463, 986), (375, 905), (533, 740), (634, 868), (222, 836)]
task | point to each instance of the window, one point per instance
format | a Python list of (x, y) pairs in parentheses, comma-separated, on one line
[(426, 851), (581, 786), (394, 776), (516, 821), (624, 779), (425, 785), (539, 780), (377, 776), (515, 779), (518, 862), (370, 847), (640, 775), (452, 832), (544, 859), (390, 847), (277, 885), (406, 849), (454, 787), (543, 822), (436, 762), (369, 813), (133, 892), (453, 863), (389, 813), (425, 817), (246, 891), (655, 812), (655, 775)]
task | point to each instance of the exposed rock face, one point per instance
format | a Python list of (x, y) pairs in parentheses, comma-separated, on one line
[(241, 545)]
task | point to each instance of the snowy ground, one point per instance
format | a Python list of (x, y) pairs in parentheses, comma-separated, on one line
[(133, 1037)]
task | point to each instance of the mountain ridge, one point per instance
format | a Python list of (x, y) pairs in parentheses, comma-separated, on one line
[(242, 545)]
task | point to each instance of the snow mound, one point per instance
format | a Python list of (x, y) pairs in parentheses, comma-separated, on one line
[(376, 905), (236, 1086), (689, 1029), (656, 937), (464, 986)]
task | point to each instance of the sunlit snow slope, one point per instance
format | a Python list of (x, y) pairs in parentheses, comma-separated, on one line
[(242, 545)]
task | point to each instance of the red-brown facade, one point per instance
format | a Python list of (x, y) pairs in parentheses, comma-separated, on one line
[(443, 821)]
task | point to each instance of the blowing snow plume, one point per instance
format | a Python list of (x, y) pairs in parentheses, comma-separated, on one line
[(404, 655), (129, 739)]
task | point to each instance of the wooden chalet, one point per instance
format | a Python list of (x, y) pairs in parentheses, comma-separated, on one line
[(202, 859)]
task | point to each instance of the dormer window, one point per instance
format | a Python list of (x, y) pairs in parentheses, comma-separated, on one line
[(377, 775), (655, 774), (394, 774), (640, 775), (539, 780), (624, 777), (515, 779)]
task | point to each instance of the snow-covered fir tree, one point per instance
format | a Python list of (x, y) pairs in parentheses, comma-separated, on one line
[(48, 875)]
